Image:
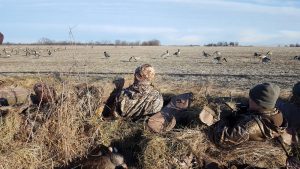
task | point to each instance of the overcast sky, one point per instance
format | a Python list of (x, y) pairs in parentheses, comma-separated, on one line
[(178, 22)]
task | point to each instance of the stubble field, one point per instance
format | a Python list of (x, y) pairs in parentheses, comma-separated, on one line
[(190, 72), (240, 72)]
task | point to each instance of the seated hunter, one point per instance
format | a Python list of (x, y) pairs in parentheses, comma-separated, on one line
[(141, 98), (260, 122)]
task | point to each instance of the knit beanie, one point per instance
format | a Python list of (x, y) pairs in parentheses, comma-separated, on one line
[(265, 95)]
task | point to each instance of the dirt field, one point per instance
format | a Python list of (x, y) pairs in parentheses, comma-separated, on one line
[(241, 71)]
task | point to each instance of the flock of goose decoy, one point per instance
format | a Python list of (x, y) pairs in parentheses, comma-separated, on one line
[(164, 55), (36, 52), (216, 56)]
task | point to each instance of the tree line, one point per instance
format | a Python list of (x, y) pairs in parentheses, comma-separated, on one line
[(294, 45), (153, 42), (223, 44)]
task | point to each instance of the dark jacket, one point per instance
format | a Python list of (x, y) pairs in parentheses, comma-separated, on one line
[(252, 126), (291, 112)]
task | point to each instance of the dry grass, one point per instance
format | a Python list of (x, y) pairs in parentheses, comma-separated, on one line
[(49, 136), (10, 125), (171, 149), (164, 152), (64, 132)]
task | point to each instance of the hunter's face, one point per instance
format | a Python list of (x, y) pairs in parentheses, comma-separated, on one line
[(253, 105)]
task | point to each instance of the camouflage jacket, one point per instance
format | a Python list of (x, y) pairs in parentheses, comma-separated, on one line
[(252, 126), (138, 100)]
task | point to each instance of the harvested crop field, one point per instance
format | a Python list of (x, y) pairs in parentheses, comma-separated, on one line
[(68, 135), (241, 71)]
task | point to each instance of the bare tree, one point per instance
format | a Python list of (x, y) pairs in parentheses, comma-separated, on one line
[(45, 41)]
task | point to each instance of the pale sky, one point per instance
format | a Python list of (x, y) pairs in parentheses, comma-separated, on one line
[(173, 22)]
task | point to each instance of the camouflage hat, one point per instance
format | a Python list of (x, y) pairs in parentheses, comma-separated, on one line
[(265, 95), (144, 73), (296, 89)]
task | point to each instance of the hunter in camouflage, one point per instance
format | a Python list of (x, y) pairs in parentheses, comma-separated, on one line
[(259, 123), (141, 98)]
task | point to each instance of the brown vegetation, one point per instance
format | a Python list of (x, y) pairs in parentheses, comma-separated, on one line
[(61, 133)]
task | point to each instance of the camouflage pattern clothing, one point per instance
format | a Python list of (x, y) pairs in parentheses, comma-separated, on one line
[(140, 98), (252, 126)]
